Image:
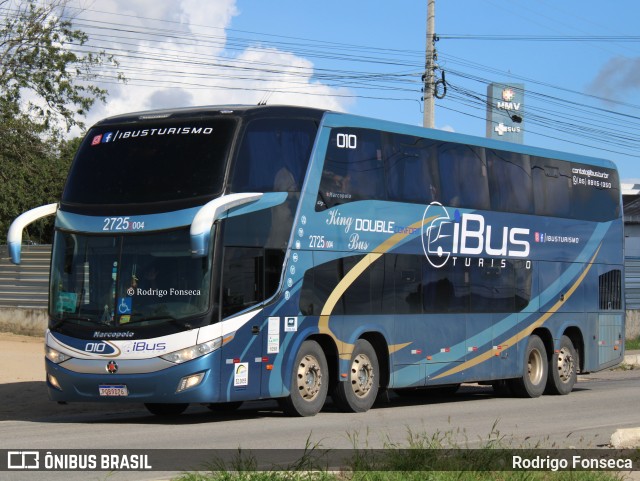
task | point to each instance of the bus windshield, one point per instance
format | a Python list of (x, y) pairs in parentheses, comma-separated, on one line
[(150, 161), (122, 281)]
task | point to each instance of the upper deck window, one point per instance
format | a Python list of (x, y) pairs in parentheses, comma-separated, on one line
[(273, 155), (152, 161), (367, 164)]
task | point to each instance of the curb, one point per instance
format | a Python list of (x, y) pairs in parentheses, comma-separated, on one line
[(632, 358), (626, 438)]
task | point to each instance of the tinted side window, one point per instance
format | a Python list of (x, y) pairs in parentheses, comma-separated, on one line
[(407, 275), (463, 176), (250, 275), (242, 285), (273, 155), (551, 187), (596, 193), (353, 168), (412, 169), (510, 182), (446, 289)]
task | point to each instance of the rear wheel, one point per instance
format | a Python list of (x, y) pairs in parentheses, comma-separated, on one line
[(563, 369), (534, 376), (309, 382), (171, 409), (358, 393)]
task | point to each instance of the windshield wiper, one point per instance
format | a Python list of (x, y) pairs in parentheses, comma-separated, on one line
[(59, 322), (177, 322)]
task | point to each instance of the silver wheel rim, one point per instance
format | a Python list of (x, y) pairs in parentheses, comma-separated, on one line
[(309, 377), (362, 375), (535, 367), (565, 365)]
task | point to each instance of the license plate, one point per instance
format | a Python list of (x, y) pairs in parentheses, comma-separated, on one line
[(113, 390)]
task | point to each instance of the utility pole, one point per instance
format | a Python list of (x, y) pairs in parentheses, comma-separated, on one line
[(429, 74)]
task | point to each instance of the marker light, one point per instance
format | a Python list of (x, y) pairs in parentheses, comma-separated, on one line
[(188, 382), (194, 352), (55, 356), (54, 382)]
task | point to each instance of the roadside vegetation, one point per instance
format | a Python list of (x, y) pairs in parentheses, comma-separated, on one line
[(47, 86), (436, 457), (632, 344)]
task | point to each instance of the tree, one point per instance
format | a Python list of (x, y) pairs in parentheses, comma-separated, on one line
[(45, 88), (41, 73)]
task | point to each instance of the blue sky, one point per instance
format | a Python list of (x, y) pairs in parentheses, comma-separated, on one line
[(303, 34)]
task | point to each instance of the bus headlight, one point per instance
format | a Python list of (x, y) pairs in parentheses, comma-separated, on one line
[(55, 356), (194, 352)]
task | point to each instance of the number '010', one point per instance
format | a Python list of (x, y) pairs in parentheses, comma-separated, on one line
[(347, 141)]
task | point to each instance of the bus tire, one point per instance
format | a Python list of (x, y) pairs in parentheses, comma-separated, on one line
[(309, 382), (563, 369), (166, 409), (534, 376), (358, 393)]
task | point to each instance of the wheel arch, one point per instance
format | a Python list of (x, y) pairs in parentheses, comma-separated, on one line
[(330, 350), (577, 339), (547, 339), (380, 345)]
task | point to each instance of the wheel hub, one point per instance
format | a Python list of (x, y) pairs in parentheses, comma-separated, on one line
[(565, 365), (535, 366), (309, 377), (362, 375)]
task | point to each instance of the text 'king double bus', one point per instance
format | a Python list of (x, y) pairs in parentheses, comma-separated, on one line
[(218, 255)]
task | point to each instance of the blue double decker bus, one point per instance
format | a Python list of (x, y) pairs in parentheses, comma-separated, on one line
[(223, 254)]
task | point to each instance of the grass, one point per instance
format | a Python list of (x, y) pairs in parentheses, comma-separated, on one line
[(435, 457), (632, 345)]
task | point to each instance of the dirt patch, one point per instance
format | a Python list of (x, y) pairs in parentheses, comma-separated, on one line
[(21, 358), (23, 388)]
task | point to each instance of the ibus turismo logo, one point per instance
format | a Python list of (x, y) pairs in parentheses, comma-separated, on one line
[(437, 233), (445, 236)]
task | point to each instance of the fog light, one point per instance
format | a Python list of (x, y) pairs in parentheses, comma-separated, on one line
[(188, 382), (54, 382)]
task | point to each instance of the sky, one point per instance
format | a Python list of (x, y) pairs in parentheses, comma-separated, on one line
[(578, 59)]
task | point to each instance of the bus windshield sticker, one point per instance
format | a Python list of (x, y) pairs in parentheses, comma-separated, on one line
[(66, 302)]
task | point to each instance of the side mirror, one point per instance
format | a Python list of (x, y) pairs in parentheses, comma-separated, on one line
[(208, 214), (14, 237)]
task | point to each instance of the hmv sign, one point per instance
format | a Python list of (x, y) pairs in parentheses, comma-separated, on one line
[(505, 112)]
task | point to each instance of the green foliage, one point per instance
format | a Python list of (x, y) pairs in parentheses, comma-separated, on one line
[(632, 344), (32, 173), (42, 73), (45, 88)]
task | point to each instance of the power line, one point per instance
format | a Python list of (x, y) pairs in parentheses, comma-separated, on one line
[(164, 56)]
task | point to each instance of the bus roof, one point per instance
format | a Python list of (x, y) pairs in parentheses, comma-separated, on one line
[(336, 119), (212, 110)]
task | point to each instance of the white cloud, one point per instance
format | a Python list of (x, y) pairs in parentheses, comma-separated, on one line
[(191, 72)]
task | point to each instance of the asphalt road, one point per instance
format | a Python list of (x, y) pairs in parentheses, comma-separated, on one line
[(599, 404)]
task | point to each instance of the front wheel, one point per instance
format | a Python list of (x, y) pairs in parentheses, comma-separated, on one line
[(534, 376), (358, 393), (309, 382), (563, 369)]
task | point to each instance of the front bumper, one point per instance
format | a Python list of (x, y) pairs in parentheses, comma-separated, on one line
[(151, 387)]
